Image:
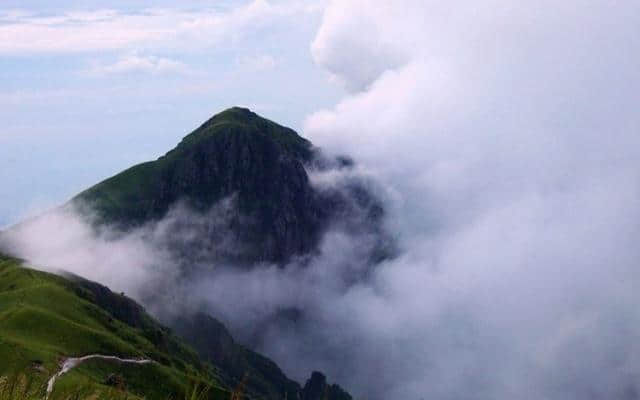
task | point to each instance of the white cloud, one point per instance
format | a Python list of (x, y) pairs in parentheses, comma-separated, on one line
[(132, 63), (257, 62), (509, 135), (99, 30), (362, 57)]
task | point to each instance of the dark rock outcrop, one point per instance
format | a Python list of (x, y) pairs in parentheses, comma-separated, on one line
[(260, 376), (317, 388), (259, 169), (234, 154)]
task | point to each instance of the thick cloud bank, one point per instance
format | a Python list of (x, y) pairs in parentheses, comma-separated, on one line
[(504, 138), (509, 134)]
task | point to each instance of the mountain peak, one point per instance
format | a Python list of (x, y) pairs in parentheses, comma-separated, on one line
[(258, 167), (238, 124), (235, 154), (234, 114)]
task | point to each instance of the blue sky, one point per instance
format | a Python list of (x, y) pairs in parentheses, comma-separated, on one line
[(89, 88)]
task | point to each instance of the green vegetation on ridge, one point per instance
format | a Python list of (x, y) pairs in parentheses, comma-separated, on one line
[(145, 191), (45, 318), (234, 155)]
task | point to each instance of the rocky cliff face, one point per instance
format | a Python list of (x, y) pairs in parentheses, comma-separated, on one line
[(258, 167), (317, 388), (238, 155), (238, 365)]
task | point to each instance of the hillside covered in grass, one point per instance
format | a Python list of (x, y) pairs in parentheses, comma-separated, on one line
[(46, 318)]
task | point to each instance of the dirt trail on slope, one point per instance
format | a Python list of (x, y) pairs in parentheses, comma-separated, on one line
[(69, 363)]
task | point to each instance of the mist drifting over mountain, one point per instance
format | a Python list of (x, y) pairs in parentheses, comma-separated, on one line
[(502, 141)]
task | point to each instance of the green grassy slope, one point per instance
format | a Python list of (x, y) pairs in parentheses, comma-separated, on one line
[(45, 318)]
